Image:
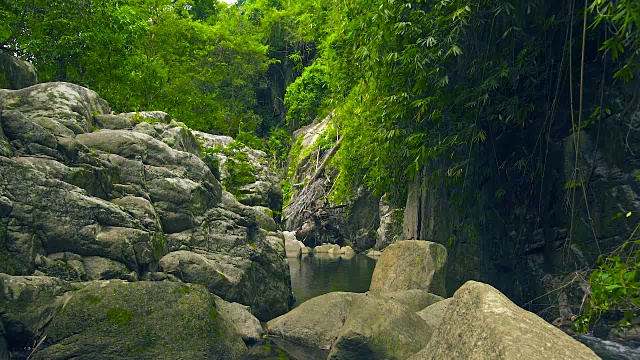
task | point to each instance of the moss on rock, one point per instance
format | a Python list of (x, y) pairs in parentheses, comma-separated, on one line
[(143, 320)]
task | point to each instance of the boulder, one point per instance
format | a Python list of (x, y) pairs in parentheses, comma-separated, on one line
[(244, 323), (293, 248), (327, 248), (347, 251), (377, 328), (414, 299), (316, 322), (482, 323), (112, 122), (433, 314), (222, 275), (235, 279), (99, 268), (63, 109), (144, 320), (16, 74), (411, 264)]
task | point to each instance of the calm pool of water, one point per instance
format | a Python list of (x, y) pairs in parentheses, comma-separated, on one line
[(318, 274)]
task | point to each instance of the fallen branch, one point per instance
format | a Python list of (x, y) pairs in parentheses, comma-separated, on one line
[(325, 161)]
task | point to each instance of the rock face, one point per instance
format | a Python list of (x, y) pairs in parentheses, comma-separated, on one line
[(481, 323), (411, 264), (27, 305), (315, 220), (15, 73), (434, 314), (245, 324), (89, 195), (512, 230)]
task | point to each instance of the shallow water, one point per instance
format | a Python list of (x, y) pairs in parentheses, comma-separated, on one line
[(610, 350), (311, 276), (318, 274)]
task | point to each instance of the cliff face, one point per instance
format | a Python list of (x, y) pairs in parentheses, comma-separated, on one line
[(365, 222), (508, 225), (89, 195)]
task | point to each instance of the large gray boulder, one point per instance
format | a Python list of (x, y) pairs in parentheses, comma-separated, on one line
[(482, 323), (359, 326), (245, 324), (144, 320), (377, 328), (62, 109), (411, 264), (15, 73), (316, 322)]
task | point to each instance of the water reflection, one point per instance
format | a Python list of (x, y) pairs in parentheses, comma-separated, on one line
[(318, 274)]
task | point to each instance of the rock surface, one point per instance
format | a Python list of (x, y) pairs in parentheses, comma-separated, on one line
[(86, 194), (359, 326), (378, 328), (482, 323), (415, 299), (316, 322), (245, 172), (245, 324), (146, 320), (27, 305), (434, 313), (411, 264)]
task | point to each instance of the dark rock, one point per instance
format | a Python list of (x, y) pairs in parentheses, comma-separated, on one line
[(15, 73)]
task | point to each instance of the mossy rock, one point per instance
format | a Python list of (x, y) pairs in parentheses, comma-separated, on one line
[(411, 264), (142, 320)]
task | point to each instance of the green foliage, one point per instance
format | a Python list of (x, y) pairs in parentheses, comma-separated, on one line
[(622, 18), (240, 171), (305, 95), (615, 287), (200, 61)]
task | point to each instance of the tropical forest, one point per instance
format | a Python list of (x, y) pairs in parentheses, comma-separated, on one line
[(328, 179)]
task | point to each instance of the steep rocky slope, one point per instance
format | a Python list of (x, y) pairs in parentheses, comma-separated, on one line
[(365, 222), (88, 195)]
